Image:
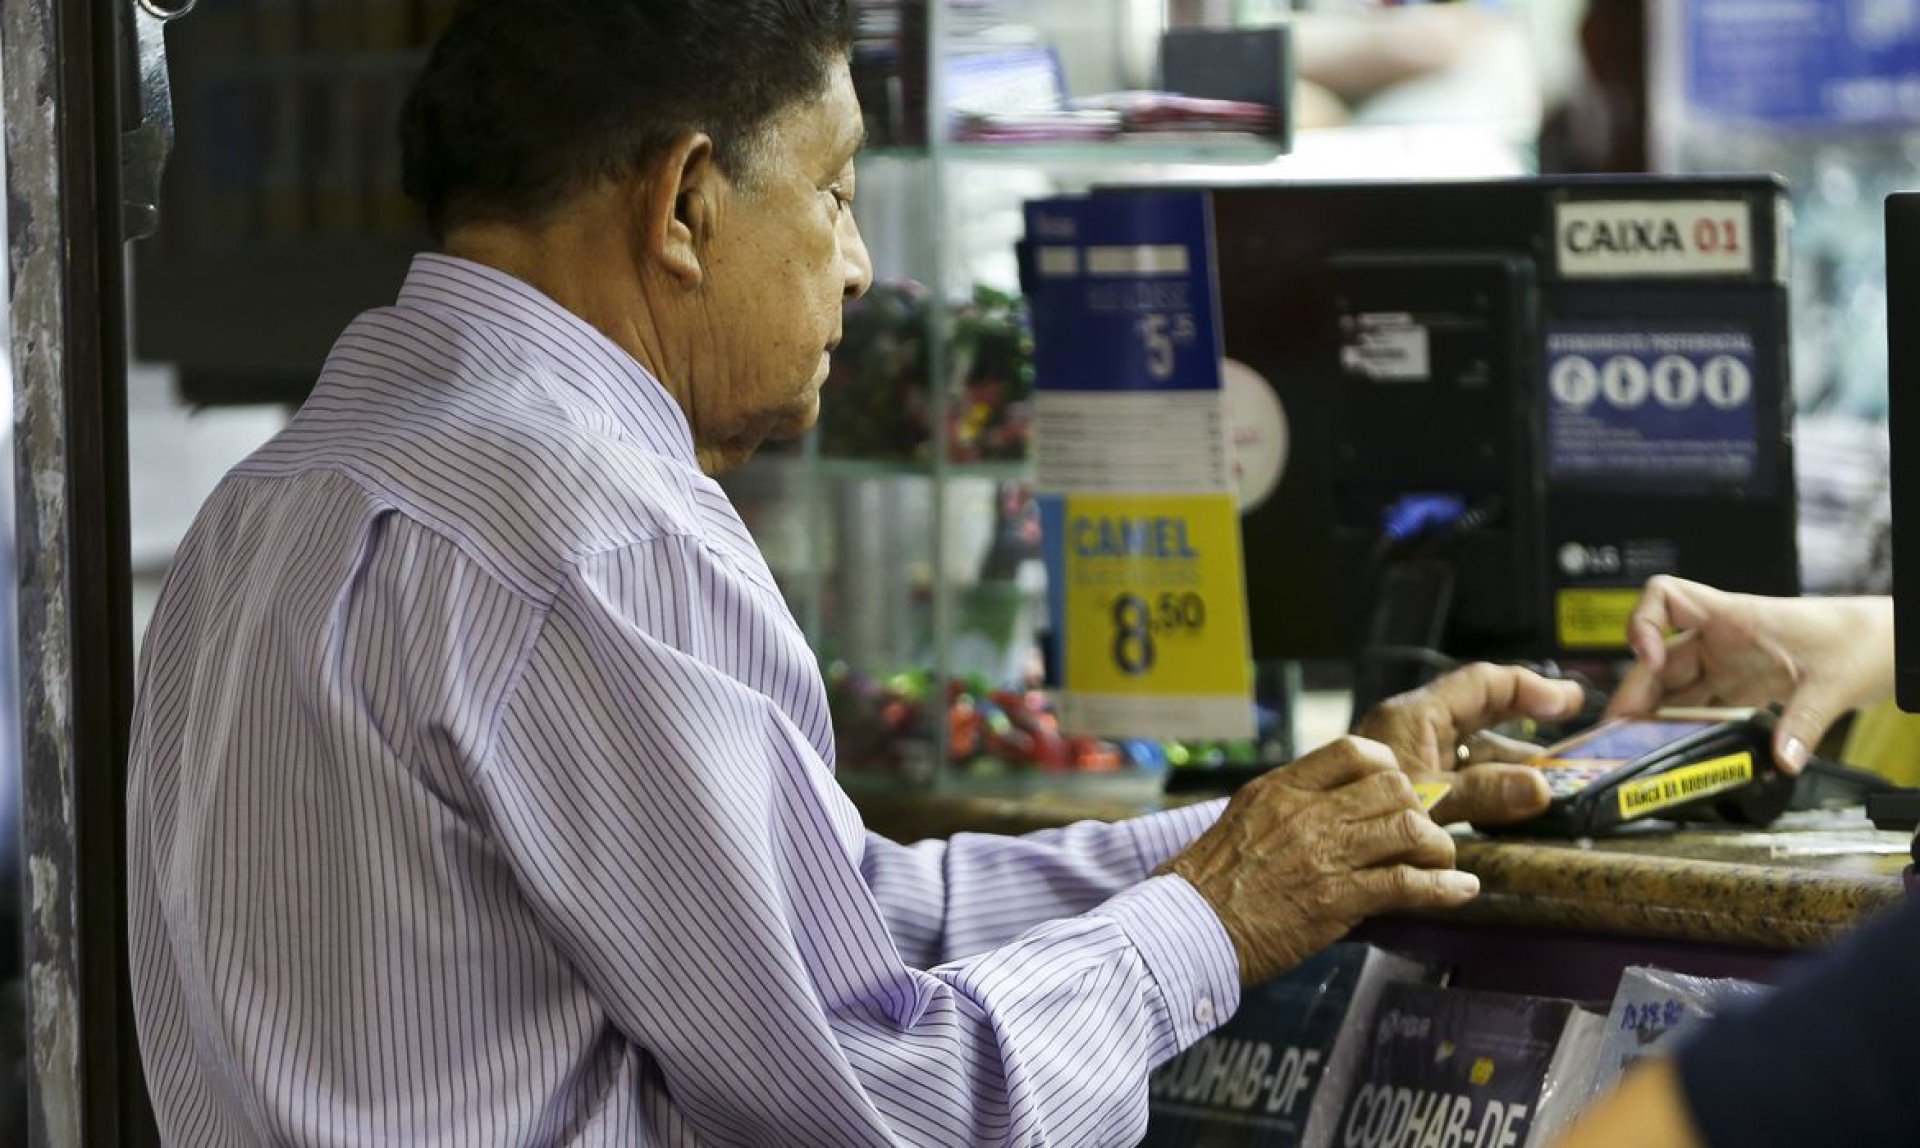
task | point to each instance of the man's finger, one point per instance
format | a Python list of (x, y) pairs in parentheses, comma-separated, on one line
[(1484, 695), (1487, 748), (1408, 888), (1494, 795), (1338, 763), (1376, 795), (1406, 836), (1477, 697), (1427, 725)]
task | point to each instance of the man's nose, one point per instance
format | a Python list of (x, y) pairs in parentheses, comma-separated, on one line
[(859, 263)]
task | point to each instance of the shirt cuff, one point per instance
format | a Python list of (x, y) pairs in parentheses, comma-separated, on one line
[(1159, 837), (1186, 951)]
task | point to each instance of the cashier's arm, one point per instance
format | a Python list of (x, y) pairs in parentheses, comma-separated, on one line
[(1648, 1111)]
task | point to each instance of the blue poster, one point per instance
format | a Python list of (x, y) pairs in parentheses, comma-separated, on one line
[(1672, 407), (1122, 292), (1803, 63)]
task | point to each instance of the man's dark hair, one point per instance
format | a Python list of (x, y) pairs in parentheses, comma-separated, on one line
[(524, 102)]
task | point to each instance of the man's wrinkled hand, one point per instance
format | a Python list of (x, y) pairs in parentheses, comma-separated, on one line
[(1440, 732), (1308, 851)]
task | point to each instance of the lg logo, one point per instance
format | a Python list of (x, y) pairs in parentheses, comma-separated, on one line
[(1675, 382), (1577, 561)]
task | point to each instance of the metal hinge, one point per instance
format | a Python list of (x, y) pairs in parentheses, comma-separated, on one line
[(144, 147)]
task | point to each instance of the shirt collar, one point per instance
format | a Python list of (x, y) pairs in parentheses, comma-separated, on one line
[(592, 364)]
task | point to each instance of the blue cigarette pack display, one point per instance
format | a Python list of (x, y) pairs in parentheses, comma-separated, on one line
[(1274, 1076), (1476, 1069)]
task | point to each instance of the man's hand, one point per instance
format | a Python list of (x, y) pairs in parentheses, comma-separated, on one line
[(1819, 657), (1308, 851), (1440, 733)]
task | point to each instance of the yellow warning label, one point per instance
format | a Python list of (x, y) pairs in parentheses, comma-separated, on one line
[(1689, 783), (1594, 619)]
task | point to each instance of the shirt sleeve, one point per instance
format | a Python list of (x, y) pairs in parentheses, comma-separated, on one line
[(1831, 1057), (944, 900), (686, 848)]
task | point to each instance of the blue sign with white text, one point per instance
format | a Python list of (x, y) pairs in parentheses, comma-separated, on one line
[(1651, 406), (1804, 63), (1122, 293)]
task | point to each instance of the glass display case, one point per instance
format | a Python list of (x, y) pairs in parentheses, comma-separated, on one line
[(904, 530)]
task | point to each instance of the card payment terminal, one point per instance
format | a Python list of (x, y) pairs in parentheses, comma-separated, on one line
[(1676, 765)]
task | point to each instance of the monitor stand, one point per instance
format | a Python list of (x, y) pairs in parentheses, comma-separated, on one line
[(1412, 601)]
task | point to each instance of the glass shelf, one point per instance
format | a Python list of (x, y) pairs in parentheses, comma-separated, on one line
[(1016, 470), (1372, 151), (1221, 148)]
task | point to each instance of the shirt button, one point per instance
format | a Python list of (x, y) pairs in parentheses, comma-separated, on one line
[(1203, 1010)]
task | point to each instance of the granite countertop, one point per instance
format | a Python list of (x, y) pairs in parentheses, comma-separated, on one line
[(1794, 886)]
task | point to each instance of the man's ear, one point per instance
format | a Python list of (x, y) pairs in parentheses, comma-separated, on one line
[(679, 204)]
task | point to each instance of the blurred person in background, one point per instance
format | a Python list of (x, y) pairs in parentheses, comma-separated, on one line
[(1601, 125), (1428, 63)]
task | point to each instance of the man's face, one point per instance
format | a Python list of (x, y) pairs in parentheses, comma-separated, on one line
[(784, 256)]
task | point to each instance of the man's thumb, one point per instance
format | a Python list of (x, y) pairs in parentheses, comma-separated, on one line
[(1494, 795)]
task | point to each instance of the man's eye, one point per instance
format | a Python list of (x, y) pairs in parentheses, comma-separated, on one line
[(841, 199)]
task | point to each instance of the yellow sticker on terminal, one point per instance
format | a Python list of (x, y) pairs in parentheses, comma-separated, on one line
[(1482, 1071), (1430, 793), (1689, 783), (1594, 619)]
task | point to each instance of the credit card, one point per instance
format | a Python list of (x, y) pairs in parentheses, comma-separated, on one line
[(1430, 793)]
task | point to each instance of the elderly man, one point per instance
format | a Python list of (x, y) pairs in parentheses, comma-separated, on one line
[(482, 783)]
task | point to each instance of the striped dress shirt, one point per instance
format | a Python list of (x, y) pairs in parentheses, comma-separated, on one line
[(482, 794)]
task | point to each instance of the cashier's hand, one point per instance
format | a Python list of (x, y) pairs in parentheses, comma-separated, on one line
[(1310, 850), (1694, 645), (1440, 732)]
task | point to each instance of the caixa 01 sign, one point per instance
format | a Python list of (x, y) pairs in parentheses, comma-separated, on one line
[(1622, 239)]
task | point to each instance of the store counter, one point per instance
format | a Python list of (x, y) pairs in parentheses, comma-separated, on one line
[(1561, 917)]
